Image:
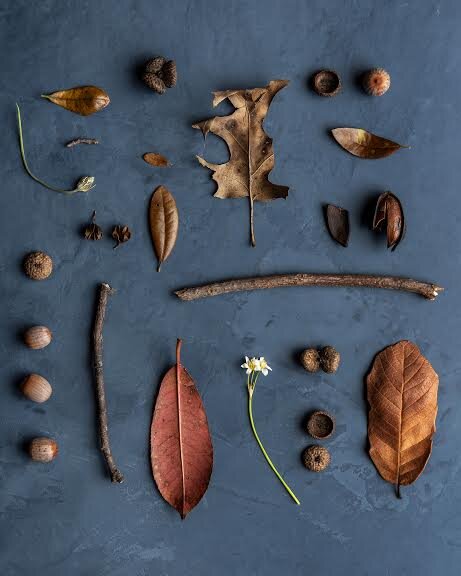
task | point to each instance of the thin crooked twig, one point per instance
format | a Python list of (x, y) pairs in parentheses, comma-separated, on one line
[(77, 141), (428, 290), (104, 292)]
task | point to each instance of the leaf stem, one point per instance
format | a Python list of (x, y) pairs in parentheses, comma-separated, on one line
[(23, 156), (252, 230), (251, 386)]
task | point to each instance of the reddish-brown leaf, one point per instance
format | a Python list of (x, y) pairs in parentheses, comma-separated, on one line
[(181, 449), (156, 160)]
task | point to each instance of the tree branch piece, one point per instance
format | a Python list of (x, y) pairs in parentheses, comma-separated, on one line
[(429, 291), (73, 143), (104, 292)]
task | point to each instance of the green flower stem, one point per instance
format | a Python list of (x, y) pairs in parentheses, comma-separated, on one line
[(251, 386), (80, 185)]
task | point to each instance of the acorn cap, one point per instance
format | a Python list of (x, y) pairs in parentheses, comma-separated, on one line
[(316, 458), (376, 82), (320, 425), (38, 265), (326, 83)]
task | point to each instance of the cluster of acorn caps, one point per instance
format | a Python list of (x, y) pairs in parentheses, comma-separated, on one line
[(375, 82), (38, 266), (320, 425)]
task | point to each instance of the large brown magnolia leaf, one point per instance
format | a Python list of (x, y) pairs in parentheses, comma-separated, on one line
[(83, 100), (181, 449), (402, 393), (364, 144), (245, 175), (164, 223)]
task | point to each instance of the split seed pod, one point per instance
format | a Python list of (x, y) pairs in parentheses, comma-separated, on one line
[(37, 337), (338, 224), (43, 449), (389, 211), (36, 388)]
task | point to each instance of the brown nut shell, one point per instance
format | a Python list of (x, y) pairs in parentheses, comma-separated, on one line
[(36, 388), (310, 360), (316, 458), (329, 359), (43, 449), (38, 265), (320, 425), (37, 337), (326, 83)]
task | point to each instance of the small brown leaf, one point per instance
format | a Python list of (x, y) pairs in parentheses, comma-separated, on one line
[(402, 393), (84, 100), (180, 441), (156, 159), (164, 223), (338, 224), (364, 144), (389, 210)]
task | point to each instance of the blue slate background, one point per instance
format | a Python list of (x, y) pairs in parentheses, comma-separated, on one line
[(66, 517)]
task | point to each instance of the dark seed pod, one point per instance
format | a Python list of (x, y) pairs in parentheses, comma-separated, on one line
[(389, 211), (121, 234), (329, 359), (338, 224), (159, 74), (92, 231), (316, 458), (310, 360)]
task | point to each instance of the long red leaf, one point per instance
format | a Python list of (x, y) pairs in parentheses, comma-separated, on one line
[(181, 449)]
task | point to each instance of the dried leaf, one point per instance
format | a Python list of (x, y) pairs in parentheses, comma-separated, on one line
[(84, 100), (402, 393), (389, 210), (164, 223), (245, 175), (181, 449), (364, 144), (338, 224), (156, 160)]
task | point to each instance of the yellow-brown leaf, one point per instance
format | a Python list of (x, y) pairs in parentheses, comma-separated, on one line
[(156, 159), (164, 223), (364, 144), (402, 394), (84, 100)]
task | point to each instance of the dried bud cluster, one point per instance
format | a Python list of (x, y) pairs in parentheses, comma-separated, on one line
[(92, 231), (159, 74)]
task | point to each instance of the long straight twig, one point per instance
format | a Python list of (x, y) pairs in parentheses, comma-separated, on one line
[(104, 292), (428, 290)]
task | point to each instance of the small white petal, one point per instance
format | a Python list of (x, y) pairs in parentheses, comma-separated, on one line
[(265, 372)]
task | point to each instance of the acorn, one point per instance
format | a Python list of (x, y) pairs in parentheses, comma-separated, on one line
[(310, 359), (320, 425), (36, 388), (43, 449), (329, 359), (326, 83), (37, 337), (38, 265), (316, 458), (376, 82)]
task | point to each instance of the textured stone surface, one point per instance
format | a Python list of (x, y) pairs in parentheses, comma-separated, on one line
[(66, 517)]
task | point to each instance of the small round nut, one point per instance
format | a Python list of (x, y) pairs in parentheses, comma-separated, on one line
[(320, 425), (36, 388), (376, 82), (37, 337), (43, 449), (329, 359), (310, 359), (316, 458), (38, 265)]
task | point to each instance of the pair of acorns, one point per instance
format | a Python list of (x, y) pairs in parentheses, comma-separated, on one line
[(38, 389), (375, 82)]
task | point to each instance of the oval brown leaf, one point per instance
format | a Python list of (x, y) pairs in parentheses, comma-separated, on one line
[(402, 393), (156, 159), (338, 224), (84, 100), (389, 210), (181, 448), (364, 144), (164, 223)]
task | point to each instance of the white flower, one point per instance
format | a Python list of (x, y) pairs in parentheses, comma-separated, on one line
[(251, 365), (264, 366)]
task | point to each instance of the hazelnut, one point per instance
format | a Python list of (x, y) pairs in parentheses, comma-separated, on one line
[(43, 449), (36, 388), (329, 359), (316, 458), (38, 265), (376, 82), (37, 337), (310, 359)]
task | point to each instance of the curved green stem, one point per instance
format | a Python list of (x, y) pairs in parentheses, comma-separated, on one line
[(269, 461), (23, 156)]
